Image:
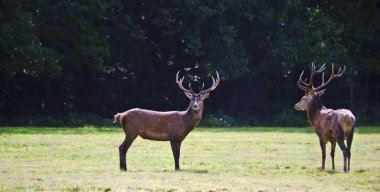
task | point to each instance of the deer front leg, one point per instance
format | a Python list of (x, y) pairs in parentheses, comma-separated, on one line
[(123, 148), (323, 148), (176, 147), (332, 153)]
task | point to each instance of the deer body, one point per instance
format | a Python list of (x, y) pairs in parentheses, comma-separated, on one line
[(171, 126), (160, 126), (330, 125)]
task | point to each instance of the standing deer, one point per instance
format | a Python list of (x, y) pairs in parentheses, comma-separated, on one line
[(330, 125), (170, 126)]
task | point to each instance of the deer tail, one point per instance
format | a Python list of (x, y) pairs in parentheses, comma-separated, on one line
[(116, 117)]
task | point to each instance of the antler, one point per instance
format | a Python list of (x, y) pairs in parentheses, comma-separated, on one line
[(315, 72), (215, 83), (302, 84), (179, 82), (332, 77), (308, 87)]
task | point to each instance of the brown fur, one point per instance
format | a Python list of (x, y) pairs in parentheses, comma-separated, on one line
[(171, 126), (160, 126), (331, 126)]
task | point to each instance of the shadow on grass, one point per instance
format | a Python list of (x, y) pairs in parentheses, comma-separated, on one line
[(59, 130), (197, 171), (361, 129), (258, 129), (331, 172), (360, 171)]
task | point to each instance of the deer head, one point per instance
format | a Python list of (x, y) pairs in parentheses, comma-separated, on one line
[(196, 99), (311, 91)]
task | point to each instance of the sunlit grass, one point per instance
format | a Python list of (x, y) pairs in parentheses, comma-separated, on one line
[(220, 159)]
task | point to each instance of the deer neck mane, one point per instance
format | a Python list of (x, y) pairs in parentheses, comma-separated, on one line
[(313, 109)]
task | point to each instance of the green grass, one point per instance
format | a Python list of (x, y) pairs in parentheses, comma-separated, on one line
[(218, 159)]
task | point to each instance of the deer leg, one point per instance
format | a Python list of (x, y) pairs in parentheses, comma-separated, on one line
[(323, 148), (344, 150), (332, 153), (349, 142), (123, 148), (176, 147)]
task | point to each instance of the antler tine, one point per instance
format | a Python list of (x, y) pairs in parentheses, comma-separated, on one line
[(341, 72), (203, 86), (179, 81), (315, 72), (322, 68), (323, 77), (191, 89), (215, 83), (332, 77), (303, 81), (301, 84)]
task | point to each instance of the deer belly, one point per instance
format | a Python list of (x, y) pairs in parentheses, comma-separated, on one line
[(153, 135)]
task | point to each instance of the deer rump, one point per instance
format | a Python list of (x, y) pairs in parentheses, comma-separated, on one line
[(330, 122), (155, 125)]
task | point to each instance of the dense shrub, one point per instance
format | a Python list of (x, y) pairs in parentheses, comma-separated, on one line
[(218, 120), (82, 119), (70, 120), (36, 120), (367, 115), (290, 117)]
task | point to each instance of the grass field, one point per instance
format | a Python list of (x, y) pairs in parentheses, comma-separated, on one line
[(240, 159)]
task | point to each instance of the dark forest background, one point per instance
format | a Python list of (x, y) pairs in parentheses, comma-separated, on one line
[(73, 62)]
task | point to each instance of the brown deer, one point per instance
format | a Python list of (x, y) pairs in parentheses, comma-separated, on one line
[(330, 125), (170, 126)]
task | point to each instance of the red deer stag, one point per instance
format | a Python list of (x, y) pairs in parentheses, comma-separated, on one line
[(170, 126), (330, 125)]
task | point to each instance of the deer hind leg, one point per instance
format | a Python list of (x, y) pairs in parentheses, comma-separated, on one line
[(176, 148), (340, 139), (332, 153), (349, 142), (123, 148), (323, 148)]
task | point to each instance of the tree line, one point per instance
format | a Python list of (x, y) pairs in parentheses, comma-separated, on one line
[(103, 56)]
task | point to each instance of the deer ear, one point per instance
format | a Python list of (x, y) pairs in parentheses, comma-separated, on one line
[(321, 92), (188, 95), (205, 96)]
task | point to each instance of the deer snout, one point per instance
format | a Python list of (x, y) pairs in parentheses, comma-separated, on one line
[(296, 107), (195, 106)]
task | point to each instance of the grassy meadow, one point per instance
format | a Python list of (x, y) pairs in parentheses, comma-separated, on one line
[(217, 159)]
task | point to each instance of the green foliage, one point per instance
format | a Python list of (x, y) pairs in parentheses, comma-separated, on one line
[(74, 48), (218, 120), (287, 117), (71, 120), (365, 115), (85, 119), (221, 119), (368, 115), (290, 117), (35, 120)]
